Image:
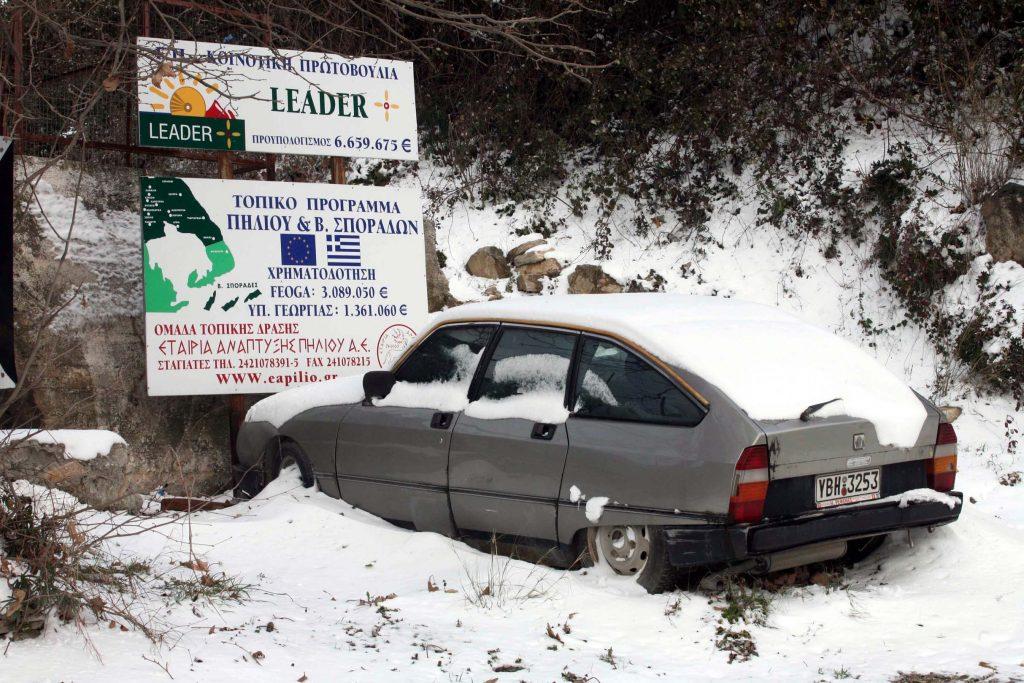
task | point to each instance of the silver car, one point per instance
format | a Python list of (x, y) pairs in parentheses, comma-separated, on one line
[(610, 454)]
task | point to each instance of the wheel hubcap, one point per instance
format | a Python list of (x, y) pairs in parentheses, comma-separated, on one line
[(624, 548)]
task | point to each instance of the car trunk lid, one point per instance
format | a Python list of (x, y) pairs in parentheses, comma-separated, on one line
[(835, 444), (799, 452)]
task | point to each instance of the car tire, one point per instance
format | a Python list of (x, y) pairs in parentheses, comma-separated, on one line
[(859, 549), (638, 551), (250, 483), (286, 455)]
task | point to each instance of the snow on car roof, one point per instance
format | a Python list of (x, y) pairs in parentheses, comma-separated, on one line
[(771, 363)]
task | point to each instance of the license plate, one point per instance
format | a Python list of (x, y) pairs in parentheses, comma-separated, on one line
[(843, 488)]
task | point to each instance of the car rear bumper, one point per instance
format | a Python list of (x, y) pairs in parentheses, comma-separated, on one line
[(707, 545)]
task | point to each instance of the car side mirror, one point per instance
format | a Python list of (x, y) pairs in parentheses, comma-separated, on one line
[(378, 383)]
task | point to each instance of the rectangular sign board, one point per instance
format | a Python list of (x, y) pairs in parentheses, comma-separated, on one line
[(253, 287), (236, 98), (7, 376)]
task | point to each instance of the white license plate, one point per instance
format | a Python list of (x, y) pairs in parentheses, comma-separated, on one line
[(842, 488)]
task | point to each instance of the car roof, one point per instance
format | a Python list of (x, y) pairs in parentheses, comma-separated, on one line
[(768, 361)]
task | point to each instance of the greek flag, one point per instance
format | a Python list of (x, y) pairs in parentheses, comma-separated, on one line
[(343, 251)]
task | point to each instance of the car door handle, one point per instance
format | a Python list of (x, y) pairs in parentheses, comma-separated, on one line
[(543, 431), (441, 420)]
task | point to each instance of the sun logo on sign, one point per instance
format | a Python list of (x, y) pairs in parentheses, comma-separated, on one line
[(387, 105), (183, 95)]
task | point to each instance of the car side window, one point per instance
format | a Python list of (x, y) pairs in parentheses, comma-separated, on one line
[(450, 354), (528, 361), (613, 383)]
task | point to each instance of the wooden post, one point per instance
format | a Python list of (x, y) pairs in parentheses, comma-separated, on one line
[(237, 403), (225, 169), (337, 170)]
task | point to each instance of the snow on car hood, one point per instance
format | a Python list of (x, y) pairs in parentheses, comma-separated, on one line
[(280, 408), (771, 363)]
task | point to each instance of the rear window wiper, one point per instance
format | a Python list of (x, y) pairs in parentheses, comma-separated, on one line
[(812, 409)]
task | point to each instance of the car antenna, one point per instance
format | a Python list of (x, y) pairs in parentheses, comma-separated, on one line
[(811, 410)]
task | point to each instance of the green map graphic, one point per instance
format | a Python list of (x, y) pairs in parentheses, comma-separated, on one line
[(169, 201)]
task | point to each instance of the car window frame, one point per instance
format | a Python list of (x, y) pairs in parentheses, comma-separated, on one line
[(444, 328), (481, 369), (574, 381)]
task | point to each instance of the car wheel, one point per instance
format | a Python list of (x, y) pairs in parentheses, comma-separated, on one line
[(250, 483), (859, 549), (290, 455), (637, 551)]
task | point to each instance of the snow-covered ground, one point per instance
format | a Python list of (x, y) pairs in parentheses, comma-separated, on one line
[(942, 601)]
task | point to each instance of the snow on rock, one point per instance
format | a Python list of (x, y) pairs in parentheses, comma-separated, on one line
[(769, 362), (79, 444), (280, 408), (595, 508)]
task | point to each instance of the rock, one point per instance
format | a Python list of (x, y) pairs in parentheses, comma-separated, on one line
[(64, 475), (438, 293), (1003, 214), (549, 267), (103, 482), (531, 257), (522, 249), (529, 283), (488, 262), (492, 293), (530, 275), (591, 279)]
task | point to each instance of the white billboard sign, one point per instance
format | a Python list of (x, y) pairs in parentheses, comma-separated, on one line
[(237, 98), (253, 287)]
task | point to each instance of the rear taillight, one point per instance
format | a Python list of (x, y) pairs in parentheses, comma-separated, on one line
[(747, 501), (942, 467)]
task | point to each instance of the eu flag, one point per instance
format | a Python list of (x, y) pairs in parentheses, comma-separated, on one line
[(298, 250)]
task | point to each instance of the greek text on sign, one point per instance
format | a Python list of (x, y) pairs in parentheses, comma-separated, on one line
[(236, 98), (252, 287)]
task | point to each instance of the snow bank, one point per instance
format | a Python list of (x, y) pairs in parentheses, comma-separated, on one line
[(280, 408), (79, 444), (772, 364)]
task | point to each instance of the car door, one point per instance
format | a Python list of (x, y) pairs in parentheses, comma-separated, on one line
[(392, 460), (509, 445), (635, 438)]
